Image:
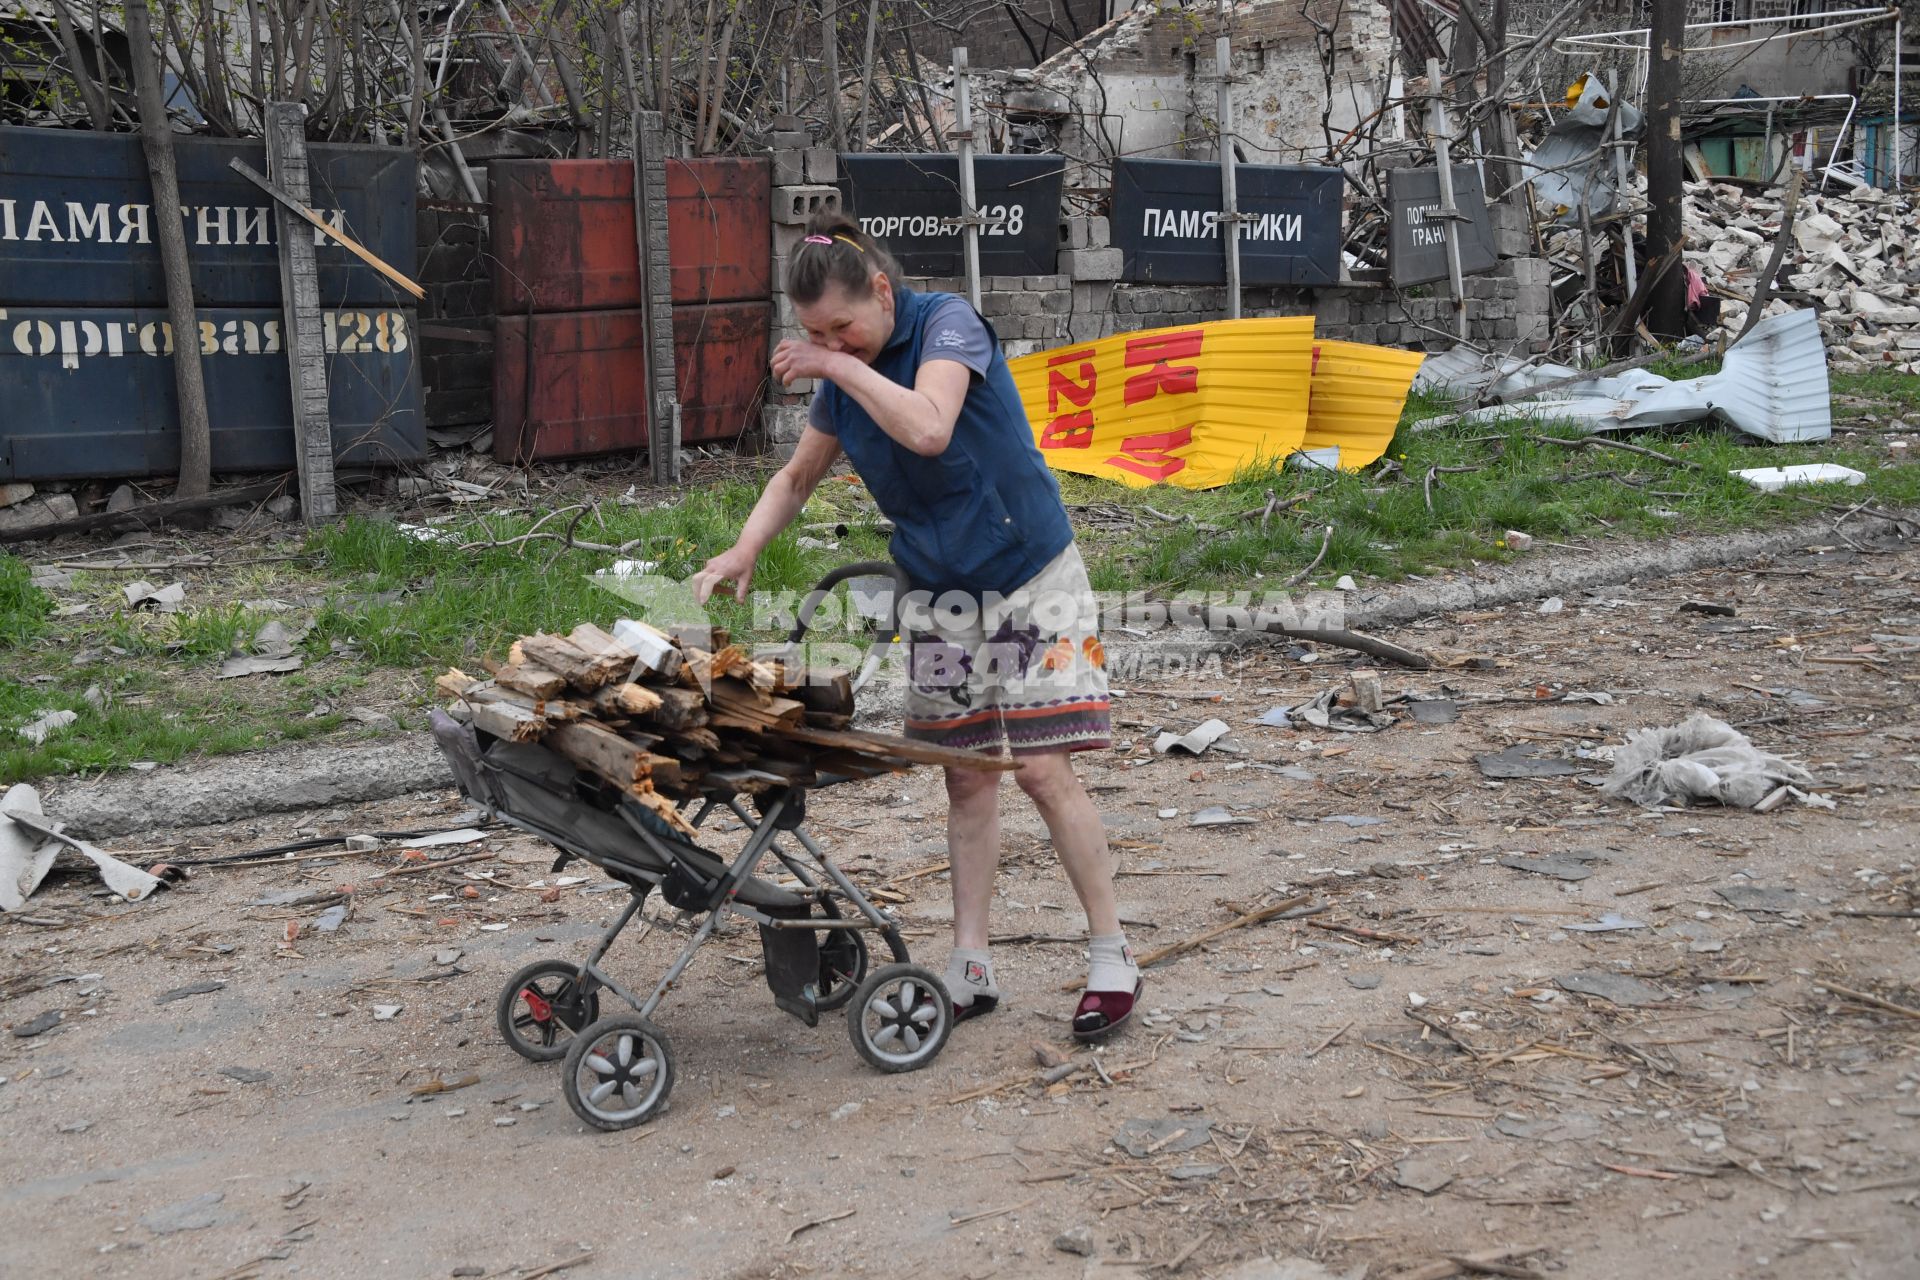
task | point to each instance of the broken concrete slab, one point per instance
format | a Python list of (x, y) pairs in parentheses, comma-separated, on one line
[(25, 856), (1424, 1173), (1617, 988), (1523, 760), (32, 513), (1169, 1136), (1561, 866), (1774, 901)]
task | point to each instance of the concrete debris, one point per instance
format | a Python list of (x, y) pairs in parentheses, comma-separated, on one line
[(188, 1215), (32, 513), (1849, 258), (1171, 1136), (1193, 743), (25, 856), (1698, 759), (24, 825), (14, 494), (48, 724), (167, 599), (1773, 479)]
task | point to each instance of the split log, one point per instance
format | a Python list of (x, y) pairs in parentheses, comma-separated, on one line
[(827, 692), (626, 699), (606, 754), (679, 708), (662, 808), (456, 683), (537, 682), (653, 648), (583, 670), (506, 720)]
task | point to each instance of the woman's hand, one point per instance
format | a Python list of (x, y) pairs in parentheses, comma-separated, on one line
[(734, 565), (794, 361)]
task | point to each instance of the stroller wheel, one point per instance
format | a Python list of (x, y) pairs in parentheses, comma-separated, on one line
[(900, 1018), (543, 1007), (843, 967), (618, 1072)]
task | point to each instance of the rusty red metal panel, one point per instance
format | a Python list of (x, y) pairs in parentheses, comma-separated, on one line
[(720, 227), (563, 236), (586, 394), (720, 362)]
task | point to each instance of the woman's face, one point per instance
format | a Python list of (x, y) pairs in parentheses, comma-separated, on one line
[(838, 321)]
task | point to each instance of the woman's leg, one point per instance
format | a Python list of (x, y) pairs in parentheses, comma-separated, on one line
[(1078, 836), (973, 850)]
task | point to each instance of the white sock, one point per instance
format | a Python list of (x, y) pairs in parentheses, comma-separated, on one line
[(1112, 967), (970, 974)]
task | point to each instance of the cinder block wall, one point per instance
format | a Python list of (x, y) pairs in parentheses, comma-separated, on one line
[(1507, 309)]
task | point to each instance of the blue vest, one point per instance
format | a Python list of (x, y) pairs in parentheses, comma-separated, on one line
[(985, 515)]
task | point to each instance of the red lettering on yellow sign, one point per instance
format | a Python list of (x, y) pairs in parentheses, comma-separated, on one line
[(1074, 429), (1150, 456), (1155, 353)]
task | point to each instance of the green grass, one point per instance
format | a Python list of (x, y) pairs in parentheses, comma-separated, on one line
[(390, 610)]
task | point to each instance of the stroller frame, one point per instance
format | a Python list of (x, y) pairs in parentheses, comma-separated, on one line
[(619, 1069)]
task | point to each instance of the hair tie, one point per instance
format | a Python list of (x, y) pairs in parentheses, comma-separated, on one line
[(818, 240), (851, 241)]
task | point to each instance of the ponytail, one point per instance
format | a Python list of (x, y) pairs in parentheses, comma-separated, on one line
[(837, 251)]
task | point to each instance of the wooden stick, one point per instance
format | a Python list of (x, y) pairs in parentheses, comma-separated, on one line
[(1862, 997), (353, 246), (1160, 955), (811, 1223), (992, 1213), (1359, 931), (1328, 1042)]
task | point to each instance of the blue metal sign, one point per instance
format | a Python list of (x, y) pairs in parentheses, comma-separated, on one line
[(89, 391), (77, 221), (1166, 220)]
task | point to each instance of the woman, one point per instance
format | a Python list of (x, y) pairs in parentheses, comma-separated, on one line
[(915, 391)]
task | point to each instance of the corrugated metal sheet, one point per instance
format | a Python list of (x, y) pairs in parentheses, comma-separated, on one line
[(1358, 393), (563, 237), (720, 225), (586, 393), (89, 392), (76, 222), (720, 362), (1191, 406)]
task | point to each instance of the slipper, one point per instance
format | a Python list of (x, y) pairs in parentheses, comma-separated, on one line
[(980, 1005), (1101, 1013)]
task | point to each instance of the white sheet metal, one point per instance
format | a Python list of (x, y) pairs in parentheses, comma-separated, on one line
[(25, 855)]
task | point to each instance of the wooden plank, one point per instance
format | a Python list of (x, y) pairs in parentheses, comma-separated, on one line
[(506, 720), (584, 671), (824, 691), (535, 681), (606, 754), (679, 708), (286, 136), (654, 649), (864, 743), (456, 683), (294, 197), (741, 699)]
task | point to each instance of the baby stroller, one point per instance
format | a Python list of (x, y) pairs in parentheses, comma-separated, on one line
[(618, 1070)]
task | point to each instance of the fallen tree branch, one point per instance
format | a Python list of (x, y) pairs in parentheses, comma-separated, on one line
[(1604, 442), (1307, 572)]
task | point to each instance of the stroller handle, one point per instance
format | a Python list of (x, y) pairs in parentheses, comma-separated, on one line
[(859, 569)]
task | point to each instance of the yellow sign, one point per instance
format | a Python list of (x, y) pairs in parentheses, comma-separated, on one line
[(1358, 393), (1197, 405)]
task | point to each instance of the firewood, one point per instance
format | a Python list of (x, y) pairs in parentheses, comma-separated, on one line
[(654, 649), (456, 683), (662, 808), (535, 681), (679, 708), (740, 699), (606, 754), (517, 655), (626, 699), (826, 691), (506, 720), (584, 671)]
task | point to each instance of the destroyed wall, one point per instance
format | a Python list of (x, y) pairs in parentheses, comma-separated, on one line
[(1146, 85), (994, 35)]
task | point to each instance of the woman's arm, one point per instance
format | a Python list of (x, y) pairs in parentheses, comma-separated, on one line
[(919, 417), (779, 503)]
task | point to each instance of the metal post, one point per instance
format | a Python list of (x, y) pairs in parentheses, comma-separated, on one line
[(1229, 188), (1898, 33), (1439, 128), (969, 212)]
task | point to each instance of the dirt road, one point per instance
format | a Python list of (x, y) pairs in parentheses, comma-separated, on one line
[(1378, 1104)]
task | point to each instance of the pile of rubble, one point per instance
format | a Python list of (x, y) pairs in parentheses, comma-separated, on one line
[(1849, 260)]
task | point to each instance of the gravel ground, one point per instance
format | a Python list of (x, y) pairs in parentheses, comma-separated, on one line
[(1430, 1077)]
